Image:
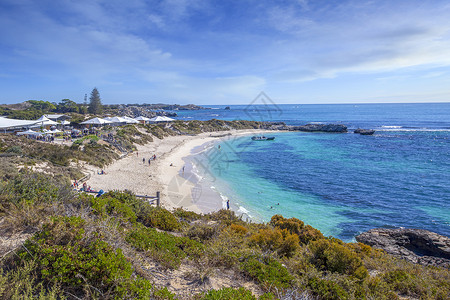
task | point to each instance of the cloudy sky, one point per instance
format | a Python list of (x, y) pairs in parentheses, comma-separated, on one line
[(225, 52)]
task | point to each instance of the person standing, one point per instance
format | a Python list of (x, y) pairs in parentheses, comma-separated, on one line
[(228, 204), (143, 160)]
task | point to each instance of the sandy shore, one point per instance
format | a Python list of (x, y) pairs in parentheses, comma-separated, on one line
[(165, 174)]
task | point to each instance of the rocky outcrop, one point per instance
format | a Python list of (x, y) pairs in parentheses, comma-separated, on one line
[(364, 131), (339, 128), (416, 245)]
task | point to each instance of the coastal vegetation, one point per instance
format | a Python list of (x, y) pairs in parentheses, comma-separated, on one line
[(68, 245)]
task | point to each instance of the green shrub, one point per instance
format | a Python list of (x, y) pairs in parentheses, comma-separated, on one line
[(276, 239), (202, 232), (65, 256), (228, 294), (168, 249), (268, 272), (326, 289), (108, 205), (160, 218), (334, 257), (295, 226), (33, 188)]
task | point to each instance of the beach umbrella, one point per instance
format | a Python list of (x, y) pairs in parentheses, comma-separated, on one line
[(96, 121)]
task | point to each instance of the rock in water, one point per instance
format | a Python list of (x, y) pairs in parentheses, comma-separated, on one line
[(339, 128), (416, 245), (364, 131)]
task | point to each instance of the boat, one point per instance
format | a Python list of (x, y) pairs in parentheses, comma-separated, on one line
[(262, 138)]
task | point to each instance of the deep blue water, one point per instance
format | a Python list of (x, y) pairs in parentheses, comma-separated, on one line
[(342, 184)]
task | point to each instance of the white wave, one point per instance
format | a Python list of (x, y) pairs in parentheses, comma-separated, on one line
[(413, 130), (391, 126)]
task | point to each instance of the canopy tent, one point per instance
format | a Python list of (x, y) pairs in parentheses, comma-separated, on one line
[(141, 118), (54, 131), (96, 121), (6, 123), (44, 121), (167, 119), (161, 119), (64, 122), (29, 132), (116, 119), (130, 120)]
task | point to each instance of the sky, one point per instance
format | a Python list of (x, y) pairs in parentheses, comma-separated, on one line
[(225, 52)]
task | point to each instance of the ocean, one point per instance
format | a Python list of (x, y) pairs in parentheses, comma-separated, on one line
[(341, 184)]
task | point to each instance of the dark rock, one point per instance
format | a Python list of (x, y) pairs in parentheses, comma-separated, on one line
[(227, 108), (415, 245), (364, 131), (339, 128)]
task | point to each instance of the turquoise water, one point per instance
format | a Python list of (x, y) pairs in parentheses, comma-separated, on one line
[(342, 184)]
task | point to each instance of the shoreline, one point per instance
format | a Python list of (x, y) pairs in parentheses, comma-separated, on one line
[(165, 174)]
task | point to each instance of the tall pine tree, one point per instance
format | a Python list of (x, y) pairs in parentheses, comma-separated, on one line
[(95, 104)]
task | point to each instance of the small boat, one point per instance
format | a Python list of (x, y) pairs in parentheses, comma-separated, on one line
[(263, 138)]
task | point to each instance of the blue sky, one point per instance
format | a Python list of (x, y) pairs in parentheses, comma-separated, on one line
[(225, 52)]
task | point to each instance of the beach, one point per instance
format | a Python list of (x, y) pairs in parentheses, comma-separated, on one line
[(178, 186)]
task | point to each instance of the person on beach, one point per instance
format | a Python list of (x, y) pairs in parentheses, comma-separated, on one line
[(183, 169), (149, 161), (228, 204), (137, 154), (143, 160)]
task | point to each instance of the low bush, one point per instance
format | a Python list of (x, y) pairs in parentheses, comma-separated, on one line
[(267, 271), (64, 255), (334, 257), (326, 289), (281, 241), (160, 218), (232, 294), (167, 249)]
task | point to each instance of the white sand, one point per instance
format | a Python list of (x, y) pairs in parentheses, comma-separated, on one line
[(130, 173)]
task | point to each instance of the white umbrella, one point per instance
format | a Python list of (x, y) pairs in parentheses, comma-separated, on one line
[(64, 122), (96, 121)]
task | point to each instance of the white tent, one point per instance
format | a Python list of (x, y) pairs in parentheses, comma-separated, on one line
[(130, 120), (96, 121), (64, 122), (14, 123), (29, 132), (43, 120), (160, 119), (141, 118), (54, 131), (167, 119), (116, 119)]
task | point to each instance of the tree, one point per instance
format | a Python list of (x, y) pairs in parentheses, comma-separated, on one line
[(95, 104), (67, 105)]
